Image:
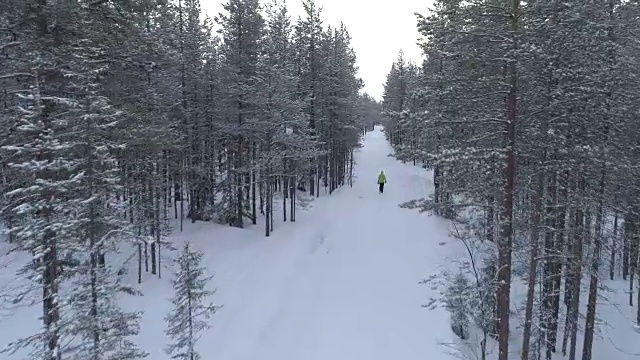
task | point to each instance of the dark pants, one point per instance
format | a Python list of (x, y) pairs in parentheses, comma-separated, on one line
[(381, 187)]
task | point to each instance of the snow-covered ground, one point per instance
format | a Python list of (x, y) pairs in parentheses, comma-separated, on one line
[(340, 283)]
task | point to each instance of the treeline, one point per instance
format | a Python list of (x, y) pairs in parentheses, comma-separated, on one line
[(372, 112), (527, 113), (117, 116)]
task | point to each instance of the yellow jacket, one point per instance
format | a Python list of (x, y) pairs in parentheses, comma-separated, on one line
[(382, 179)]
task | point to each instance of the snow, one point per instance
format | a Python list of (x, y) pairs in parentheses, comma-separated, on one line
[(340, 283)]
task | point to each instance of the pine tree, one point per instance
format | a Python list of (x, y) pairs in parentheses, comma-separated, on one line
[(191, 313), (242, 30), (102, 330), (45, 223), (94, 313), (456, 300)]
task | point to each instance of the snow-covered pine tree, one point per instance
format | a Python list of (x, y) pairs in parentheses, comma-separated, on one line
[(193, 35), (469, 295), (102, 328), (341, 88), (309, 63), (473, 79), (371, 111), (191, 307), (45, 223), (282, 153), (152, 170), (242, 28), (456, 302), (400, 109), (394, 97), (64, 151), (210, 139)]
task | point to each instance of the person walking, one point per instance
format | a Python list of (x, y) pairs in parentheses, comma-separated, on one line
[(382, 179)]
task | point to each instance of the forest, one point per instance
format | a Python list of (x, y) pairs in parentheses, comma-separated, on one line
[(527, 113), (122, 121), (119, 117)]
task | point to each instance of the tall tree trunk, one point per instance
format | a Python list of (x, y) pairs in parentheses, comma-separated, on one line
[(550, 252), (239, 215), (505, 241), (270, 198), (156, 220), (292, 198), (490, 216), (638, 300), (50, 303), (93, 274), (631, 227), (139, 262), (254, 216), (575, 271), (595, 268), (556, 260), (284, 187), (181, 199), (614, 243), (625, 251), (533, 264), (351, 168), (436, 188), (268, 189)]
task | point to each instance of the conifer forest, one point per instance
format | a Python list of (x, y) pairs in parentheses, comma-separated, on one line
[(178, 184), (525, 112)]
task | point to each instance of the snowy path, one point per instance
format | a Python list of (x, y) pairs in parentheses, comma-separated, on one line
[(348, 289)]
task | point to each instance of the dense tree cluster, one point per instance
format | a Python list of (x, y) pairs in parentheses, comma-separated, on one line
[(118, 115), (527, 112)]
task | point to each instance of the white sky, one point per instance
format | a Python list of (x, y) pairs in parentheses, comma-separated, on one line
[(378, 28)]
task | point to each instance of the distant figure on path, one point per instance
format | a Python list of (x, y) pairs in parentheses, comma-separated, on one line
[(382, 179)]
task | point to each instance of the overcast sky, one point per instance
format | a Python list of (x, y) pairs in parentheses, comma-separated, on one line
[(379, 29)]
